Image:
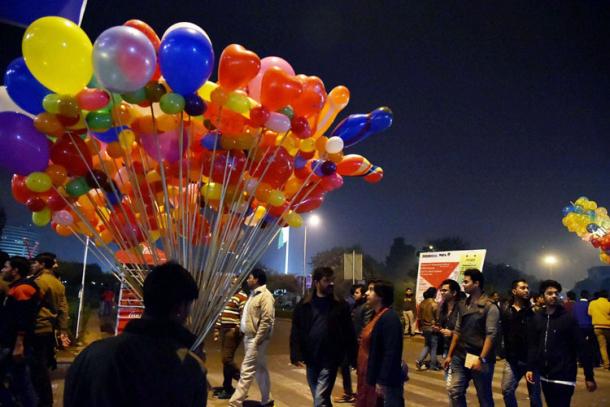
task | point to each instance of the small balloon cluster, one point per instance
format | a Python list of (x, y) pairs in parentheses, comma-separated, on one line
[(130, 144), (591, 223)]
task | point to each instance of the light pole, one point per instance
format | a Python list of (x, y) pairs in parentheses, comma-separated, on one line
[(313, 221), (550, 261)]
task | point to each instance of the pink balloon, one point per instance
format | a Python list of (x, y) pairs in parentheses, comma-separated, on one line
[(63, 217), (254, 87), (168, 147)]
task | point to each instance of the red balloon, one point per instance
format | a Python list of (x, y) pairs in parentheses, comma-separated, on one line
[(20, 191), (92, 99), (281, 166), (224, 165), (279, 89), (146, 30), (312, 202), (237, 67), (331, 182), (35, 204), (72, 153), (56, 202)]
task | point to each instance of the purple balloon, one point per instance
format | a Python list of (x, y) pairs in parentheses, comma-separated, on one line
[(23, 148), (165, 146)]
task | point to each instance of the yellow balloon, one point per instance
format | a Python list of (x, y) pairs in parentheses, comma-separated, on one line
[(41, 218), (293, 219), (276, 197), (58, 53)]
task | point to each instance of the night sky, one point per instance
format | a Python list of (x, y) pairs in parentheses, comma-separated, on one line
[(501, 115)]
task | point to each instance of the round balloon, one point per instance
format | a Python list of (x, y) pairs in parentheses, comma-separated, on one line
[(23, 88), (58, 54), (124, 59), (186, 58), (23, 148)]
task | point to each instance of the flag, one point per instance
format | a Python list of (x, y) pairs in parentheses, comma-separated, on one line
[(283, 238), (24, 12)]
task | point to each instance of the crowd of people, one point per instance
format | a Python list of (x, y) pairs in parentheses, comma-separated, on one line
[(33, 323), (154, 361)]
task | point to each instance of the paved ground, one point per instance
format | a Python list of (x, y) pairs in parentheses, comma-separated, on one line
[(289, 386)]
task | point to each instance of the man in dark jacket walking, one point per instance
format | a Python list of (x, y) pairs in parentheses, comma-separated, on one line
[(150, 363), (322, 335), (555, 342)]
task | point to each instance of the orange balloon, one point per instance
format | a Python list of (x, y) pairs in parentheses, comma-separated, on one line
[(237, 67), (312, 99), (49, 124), (123, 114), (57, 173), (279, 89), (62, 230), (143, 124), (167, 122), (114, 149), (146, 30)]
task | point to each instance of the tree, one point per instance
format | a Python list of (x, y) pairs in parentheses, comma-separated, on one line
[(447, 243), (499, 277), (400, 262)]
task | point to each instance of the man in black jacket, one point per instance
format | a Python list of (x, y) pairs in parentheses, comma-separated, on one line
[(150, 363), (555, 342), (322, 335), (516, 321)]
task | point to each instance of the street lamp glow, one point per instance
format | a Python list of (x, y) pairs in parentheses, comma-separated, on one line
[(314, 221), (550, 260)]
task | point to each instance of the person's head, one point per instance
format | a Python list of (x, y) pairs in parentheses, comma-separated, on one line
[(473, 281), (495, 296), (169, 291), (408, 292), (15, 268), (584, 294), (256, 278), (358, 292), (571, 295), (603, 294), (51, 255), (549, 290), (430, 293), (450, 290), (41, 262), (323, 281), (521, 290), (380, 294), (3, 257)]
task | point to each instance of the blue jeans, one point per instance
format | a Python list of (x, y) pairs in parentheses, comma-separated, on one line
[(321, 381), (511, 375), (430, 345), (394, 397), (458, 378)]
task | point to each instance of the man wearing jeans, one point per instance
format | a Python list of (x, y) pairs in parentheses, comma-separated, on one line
[(516, 323), (322, 336), (471, 355), (599, 310), (256, 324), (408, 312)]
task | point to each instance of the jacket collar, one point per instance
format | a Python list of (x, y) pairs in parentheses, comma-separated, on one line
[(161, 328), (259, 290)]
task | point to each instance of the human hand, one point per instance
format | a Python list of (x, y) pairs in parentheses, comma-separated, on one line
[(447, 362), (64, 339), (380, 390), (216, 335), (477, 365), (529, 376), (18, 352), (298, 364), (446, 332), (591, 385)]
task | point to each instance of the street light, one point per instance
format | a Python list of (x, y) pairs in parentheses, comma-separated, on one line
[(550, 261), (313, 221)]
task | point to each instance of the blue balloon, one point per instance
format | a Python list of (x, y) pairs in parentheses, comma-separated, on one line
[(186, 59), (567, 209), (299, 161), (592, 227), (23, 88), (357, 127), (111, 135), (211, 141), (114, 198)]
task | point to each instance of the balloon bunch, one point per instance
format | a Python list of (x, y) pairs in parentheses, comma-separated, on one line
[(591, 223), (132, 146)]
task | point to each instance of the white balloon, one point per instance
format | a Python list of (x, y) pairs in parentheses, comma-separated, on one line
[(334, 145), (7, 104), (185, 24)]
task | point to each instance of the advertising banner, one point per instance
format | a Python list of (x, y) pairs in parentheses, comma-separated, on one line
[(434, 267)]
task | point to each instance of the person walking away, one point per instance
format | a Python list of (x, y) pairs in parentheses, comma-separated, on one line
[(322, 336), (472, 352), (380, 375), (256, 324), (555, 342), (227, 330), (570, 301), (580, 311), (52, 316), (150, 363), (599, 310), (409, 311), (516, 320), (427, 319), (17, 320)]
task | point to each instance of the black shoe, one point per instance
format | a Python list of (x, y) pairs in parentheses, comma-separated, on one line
[(270, 403), (225, 395)]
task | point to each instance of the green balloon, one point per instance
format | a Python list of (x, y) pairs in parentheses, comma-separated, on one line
[(135, 97), (77, 186), (171, 103), (50, 103), (41, 218), (99, 120), (287, 111)]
